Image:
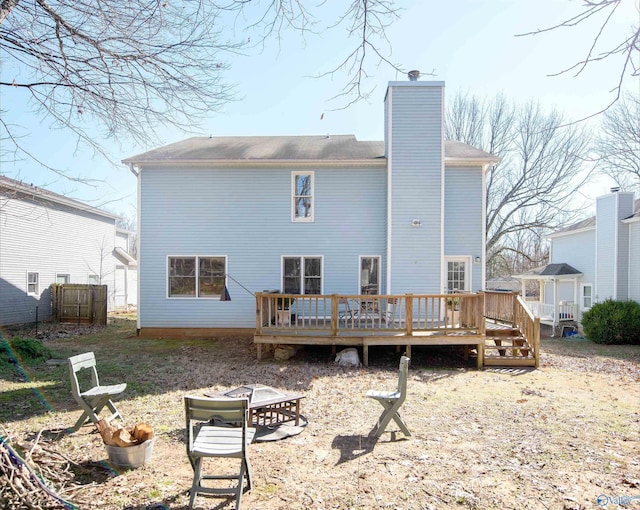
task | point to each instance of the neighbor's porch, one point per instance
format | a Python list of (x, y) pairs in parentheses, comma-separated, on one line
[(496, 325)]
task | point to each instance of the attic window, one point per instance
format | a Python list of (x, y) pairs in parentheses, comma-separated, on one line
[(302, 196)]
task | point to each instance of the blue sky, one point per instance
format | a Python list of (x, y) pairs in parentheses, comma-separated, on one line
[(470, 44)]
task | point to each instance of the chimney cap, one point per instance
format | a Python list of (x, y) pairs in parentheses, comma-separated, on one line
[(615, 189), (413, 75)]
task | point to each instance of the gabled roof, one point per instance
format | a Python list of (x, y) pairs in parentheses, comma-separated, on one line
[(29, 191), (286, 149), (591, 221), (125, 257), (550, 271)]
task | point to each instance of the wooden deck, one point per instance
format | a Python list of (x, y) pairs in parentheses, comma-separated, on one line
[(403, 321)]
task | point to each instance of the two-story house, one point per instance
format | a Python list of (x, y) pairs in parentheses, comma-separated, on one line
[(47, 238), (595, 259), (306, 215)]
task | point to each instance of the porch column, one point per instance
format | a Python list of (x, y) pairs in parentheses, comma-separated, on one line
[(555, 303)]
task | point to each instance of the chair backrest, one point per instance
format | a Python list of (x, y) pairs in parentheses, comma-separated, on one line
[(402, 376), (230, 411), (82, 362)]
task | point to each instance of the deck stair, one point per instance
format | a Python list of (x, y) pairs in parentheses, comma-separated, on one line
[(507, 347)]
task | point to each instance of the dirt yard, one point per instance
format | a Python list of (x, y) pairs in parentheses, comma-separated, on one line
[(557, 437)]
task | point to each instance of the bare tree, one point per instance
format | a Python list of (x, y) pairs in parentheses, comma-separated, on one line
[(625, 49), (618, 143), (128, 68), (532, 189)]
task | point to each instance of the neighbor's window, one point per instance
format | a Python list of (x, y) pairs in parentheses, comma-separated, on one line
[(196, 276), (586, 298), (63, 278), (369, 275), (93, 279), (33, 283), (302, 196), (302, 275)]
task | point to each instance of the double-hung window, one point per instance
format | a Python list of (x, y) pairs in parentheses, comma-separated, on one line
[(369, 275), (302, 275), (586, 296), (196, 277), (63, 278), (302, 196), (33, 284)]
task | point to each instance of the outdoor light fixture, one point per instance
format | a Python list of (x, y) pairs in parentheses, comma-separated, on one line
[(416, 223), (477, 260)]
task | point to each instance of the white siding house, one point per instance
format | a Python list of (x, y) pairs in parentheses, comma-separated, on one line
[(594, 260), (309, 215), (46, 238)]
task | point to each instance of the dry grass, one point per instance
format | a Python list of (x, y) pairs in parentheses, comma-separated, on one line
[(557, 437)]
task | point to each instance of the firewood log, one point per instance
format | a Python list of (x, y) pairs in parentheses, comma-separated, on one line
[(121, 437), (142, 432)]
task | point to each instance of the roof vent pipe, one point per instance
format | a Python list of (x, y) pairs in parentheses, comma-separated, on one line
[(615, 189), (413, 75)]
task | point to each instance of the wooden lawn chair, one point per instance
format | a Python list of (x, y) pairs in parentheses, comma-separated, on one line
[(92, 401), (224, 433), (392, 400)]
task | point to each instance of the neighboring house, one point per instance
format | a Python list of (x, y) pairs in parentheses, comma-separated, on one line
[(590, 261), (47, 238), (309, 215), (125, 294)]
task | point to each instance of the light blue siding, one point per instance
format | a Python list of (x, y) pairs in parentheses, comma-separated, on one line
[(415, 152), (245, 215), (49, 239), (579, 251), (463, 218)]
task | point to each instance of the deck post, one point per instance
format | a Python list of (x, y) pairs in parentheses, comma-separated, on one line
[(365, 354), (334, 315), (258, 314), (408, 307)]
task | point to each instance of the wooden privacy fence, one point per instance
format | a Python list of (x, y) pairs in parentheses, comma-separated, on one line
[(78, 303)]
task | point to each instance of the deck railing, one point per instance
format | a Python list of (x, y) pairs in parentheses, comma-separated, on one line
[(368, 314), (566, 312), (528, 325), (500, 306)]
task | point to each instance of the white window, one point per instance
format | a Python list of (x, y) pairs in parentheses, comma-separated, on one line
[(202, 277), (302, 275), (63, 278), (586, 296), (302, 196), (93, 279), (369, 275), (457, 274), (33, 284)]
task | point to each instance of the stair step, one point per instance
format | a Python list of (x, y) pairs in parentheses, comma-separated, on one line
[(500, 347), (510, 362)]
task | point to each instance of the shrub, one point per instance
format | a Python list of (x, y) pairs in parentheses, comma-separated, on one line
[(30, 349), (613, 322)]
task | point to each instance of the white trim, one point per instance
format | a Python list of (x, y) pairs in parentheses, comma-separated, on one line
[(302, 257), (138, 244), (571, 232), (389, 143), (294, 174), (360, 257), (443, 281), (197, 268), (206, 164), (483, 262), (616, 242)]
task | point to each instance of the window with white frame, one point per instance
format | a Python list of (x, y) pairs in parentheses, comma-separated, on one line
[(302, 275), (586, 296), (457, 274), (369, 275), (63, 278), (93, 279), (302, 196), (196, 277), (33, 283)]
